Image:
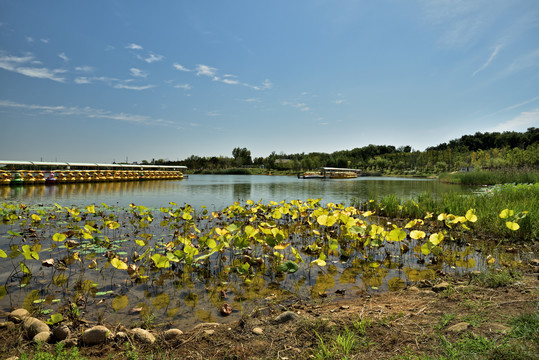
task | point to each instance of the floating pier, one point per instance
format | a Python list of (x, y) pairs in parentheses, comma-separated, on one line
[(16, 173)]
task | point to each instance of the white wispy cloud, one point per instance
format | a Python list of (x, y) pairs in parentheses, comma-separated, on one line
[(133, 87), (183, 86), (30, 39), (526, 61), (230, 81), (19, 64), (300, 106), (153, 58), (205, 70), (85, 68), (180, 67), (134, 46), (86, 111), (63, 57), (82, 80), (492, 56), (138, 73), (251, 100), (266, 84), (44, 41), (339, 101), (521, 122)]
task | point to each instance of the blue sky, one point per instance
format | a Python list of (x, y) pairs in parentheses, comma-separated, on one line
[(98, 81)]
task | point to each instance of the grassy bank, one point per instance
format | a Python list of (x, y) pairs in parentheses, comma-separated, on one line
[(520, 199), (491, 177)]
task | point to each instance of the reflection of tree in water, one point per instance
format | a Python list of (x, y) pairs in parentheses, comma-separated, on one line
[(241, 191)]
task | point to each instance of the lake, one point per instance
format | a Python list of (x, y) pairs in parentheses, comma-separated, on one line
[(219, 191), (96, 243)]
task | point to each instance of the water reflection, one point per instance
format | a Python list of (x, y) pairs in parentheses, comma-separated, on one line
[(219, 191)]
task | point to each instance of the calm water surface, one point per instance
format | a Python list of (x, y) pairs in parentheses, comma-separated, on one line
[(219, 191)]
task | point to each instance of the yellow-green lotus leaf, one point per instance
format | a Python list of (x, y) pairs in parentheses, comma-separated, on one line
[(118, 264), (505, 213), (437, 238), (470, 215), (58, 237), (512, 225), (417, 234)]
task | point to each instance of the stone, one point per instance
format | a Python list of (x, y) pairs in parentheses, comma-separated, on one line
[(172, 334), (18, 315), (258, 331), (534, 262), (61, 332), (413, 288), (143, 336), (209, 332), (42, 337), (459, 327), (13, 358), (121, 337), (7, 325), (33, 326), (440, 287), (203, 325), (495, 327), (70, 342), (96, 335), (286, 317)]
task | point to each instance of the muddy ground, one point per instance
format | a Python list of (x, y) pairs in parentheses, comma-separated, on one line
[(416, 322)]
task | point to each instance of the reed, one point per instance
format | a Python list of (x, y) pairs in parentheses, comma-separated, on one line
[(522, 199), (491, 177)]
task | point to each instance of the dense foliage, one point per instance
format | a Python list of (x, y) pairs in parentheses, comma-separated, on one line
[(507, 150)]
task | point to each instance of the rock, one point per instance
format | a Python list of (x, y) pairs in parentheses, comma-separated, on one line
[(42, 337), (209, 332), (121, 337), (18, 315), (495, 327), (69, 342), (7, 325), (61, 332), (203, 325), (413, 288), (258, 331), (13, 358), (534, 262), (143, 336), (96, 335), (172, 334), (33, 326), (286, 317), (440, 287), (458, 327)]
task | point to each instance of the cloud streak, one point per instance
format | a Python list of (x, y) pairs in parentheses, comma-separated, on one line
[(22, 65), (87, 112), (492, 56)]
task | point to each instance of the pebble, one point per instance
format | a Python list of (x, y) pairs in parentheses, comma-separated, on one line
[(33, 326), (96, 335), (209, 332), (121, 336), (143, 336), (286, 317), (61, 332), (172, 334), (18, 315), (42, 337), (258, 331)]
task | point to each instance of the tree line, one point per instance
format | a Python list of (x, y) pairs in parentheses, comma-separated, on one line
[(506, 150)]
